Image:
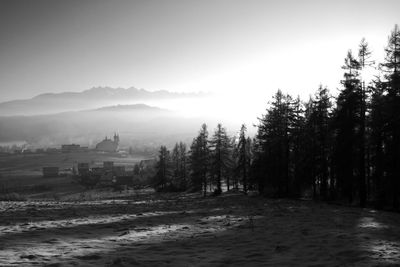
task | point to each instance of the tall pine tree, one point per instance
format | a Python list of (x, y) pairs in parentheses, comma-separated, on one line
[(391, 67), (243, 165), (199, 160), (221, 160)]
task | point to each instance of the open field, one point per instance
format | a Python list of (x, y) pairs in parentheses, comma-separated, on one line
[(32, 164), (23, 173), (148, 229)]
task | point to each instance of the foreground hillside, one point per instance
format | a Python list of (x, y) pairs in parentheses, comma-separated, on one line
[(143, 228)]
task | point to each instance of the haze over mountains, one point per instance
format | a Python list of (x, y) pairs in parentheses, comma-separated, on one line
[(50, 120), (96, 97)]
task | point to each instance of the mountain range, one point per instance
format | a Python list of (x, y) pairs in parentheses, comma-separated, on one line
[(93, 98), (137, 124), (49, 120)]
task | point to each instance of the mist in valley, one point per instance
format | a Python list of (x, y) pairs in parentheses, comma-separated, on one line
[(140, 117), (199, 133)]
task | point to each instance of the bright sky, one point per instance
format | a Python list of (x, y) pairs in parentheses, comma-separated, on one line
[(247, 49)]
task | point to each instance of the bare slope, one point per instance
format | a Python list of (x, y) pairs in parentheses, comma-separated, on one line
[(147, 229)]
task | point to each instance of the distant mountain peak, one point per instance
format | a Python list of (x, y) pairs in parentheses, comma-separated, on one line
[(129, 107)]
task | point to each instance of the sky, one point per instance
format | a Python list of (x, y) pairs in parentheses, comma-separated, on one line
[(244, 49)]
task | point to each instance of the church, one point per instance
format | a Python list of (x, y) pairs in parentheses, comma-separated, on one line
[(108, 145)]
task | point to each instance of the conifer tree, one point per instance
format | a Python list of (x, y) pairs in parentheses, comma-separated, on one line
[(364, 55), (162, 179), (244, 157), (221, 160), (346, 125), (391, 68), (179, 166), (377, 140), (322, 117), (199, 160), (310, 144), (296, 130), (273, 144)]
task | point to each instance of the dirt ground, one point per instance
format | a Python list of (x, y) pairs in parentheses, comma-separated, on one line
[(148, 229)]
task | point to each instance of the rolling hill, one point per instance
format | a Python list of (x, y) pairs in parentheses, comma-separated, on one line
[(93, 98), (138, 124)]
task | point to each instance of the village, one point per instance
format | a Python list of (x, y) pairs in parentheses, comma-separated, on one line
[(41, 171), (106, 145), (90, 176)]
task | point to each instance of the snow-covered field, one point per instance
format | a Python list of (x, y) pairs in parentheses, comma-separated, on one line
[(188, 230)]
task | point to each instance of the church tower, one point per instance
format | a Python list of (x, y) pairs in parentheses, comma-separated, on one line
[(116, 138)]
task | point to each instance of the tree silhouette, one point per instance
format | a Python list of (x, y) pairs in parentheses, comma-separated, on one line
[(179, 163), (274, 145), (243, 165), (162, 178), (344, 150), (364, 55), (346, 126), (391, 68), (199, 160), (221, 161)]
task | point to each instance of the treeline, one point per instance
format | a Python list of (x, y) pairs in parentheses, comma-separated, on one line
[(342, 148), (210, 163)]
